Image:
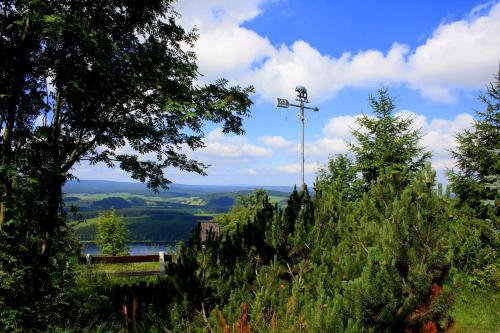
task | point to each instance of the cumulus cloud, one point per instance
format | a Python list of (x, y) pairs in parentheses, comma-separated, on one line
[(295, 168), (438, 137), (230, 50), (324, 147), (252, 172), (220, 146), (459, 55), (224, 46), (325, 75), (211, 14), (275, 141), (340, 127)]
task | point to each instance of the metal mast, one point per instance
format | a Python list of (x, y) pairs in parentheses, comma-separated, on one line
[(302, 98)]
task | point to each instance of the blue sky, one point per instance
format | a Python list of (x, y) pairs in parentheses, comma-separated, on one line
[(435, 56)]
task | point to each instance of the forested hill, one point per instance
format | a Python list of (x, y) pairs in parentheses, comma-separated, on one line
[(106, 186), (166, 216)]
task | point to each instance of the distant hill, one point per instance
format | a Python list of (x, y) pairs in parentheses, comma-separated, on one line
[(106, 186), (168, 216)]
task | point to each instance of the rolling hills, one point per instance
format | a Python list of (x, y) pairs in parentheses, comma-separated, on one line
[(169, 215)]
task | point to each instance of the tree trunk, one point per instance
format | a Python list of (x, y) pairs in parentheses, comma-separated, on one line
[(52, 220)]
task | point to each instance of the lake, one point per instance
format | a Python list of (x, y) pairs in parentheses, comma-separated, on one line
[(136, 248)]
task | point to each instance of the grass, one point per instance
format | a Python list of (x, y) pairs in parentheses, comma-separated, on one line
[(191, 201), (477, 311), (149, 199), (277, 198), (206, 214), (89, 274), (139, 266), (100, 196)]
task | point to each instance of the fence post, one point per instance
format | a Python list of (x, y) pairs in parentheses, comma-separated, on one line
[(88, 258), (162, 263)]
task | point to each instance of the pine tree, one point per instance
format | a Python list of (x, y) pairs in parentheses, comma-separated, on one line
[(339, 175), (386, 140), (476, 180)]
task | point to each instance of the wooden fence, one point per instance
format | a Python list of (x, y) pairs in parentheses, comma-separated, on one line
[(160, 258)]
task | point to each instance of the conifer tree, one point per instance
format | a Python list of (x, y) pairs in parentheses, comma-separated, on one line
[(476, 179), (386, 140), (339, 174)]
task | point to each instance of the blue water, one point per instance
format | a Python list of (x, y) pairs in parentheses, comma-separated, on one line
[(134, 248)]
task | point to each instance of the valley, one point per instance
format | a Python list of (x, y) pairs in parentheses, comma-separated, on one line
[(167, 216)]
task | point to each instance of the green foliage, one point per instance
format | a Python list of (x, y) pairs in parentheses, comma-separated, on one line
[(112, 202), (111, 234), (382, 261), (476, 180), (100, 75), (475, 245), (385, 140), (381, 254), (34, 291), (340, 176), (476, 184), (371, 264), (119, 76), (245, 208), (148, 225)]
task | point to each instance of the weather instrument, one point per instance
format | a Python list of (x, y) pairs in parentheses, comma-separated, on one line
[(302, 98)]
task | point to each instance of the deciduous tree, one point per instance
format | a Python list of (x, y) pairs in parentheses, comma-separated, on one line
[(111, 234), (105, 81), (111, 82)]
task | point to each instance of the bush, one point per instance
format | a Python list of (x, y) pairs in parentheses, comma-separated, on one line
[(111, 234)]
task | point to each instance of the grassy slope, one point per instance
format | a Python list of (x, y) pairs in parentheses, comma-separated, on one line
[(477, 311), (147, 198)]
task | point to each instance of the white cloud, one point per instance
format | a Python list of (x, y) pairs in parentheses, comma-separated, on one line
[(251, 172), (438, 137), (336, 138), (224, 46), (211, 14), (295, 168), (324, 75), (459, 55), (325, 147), (419, 120), (275, 141), (340, 127), (221, 51), (218, 145)]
